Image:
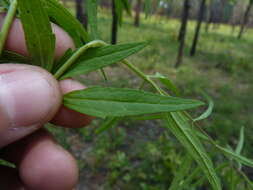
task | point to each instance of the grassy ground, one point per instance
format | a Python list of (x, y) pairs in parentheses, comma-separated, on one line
[(142, 155)]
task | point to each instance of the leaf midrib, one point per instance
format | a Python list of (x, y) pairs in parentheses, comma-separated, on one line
[(196, 149)]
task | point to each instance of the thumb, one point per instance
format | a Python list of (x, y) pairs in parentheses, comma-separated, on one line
[(29, 97)]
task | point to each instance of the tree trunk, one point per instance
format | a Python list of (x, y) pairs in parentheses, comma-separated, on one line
[(137, 13), (210, 18), (114, 23), (198, 27), (182, 33), (80, 13), (245, 19)]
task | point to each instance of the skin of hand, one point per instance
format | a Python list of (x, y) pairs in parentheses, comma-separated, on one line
[(29, 98)]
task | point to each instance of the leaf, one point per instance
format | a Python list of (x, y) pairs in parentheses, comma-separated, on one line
[(166, 82), (92, 18), (5, 4), (209, 110), (97, 58), (119, 11), (62, 17), (250, 183), (148, 117), (127, 7), (181, 128), (181, 173), (116, 102), (232, 155), (120, 6), (62, 60), (12, 57), (241, 142), (40, 39), (110, 122), (201, 180)]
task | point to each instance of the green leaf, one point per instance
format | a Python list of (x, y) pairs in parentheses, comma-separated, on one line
[(119, 11), (62, 17), (127, 7), (12, 57), (166, 82), (241, 142), (250, 183), (97, 58), (62, 60), (116, 102), (110, 122), (209, 110), (5, 4), (92, 18), (233, 155), (120, 6), (148, 117), (40, 39), (181, 128)]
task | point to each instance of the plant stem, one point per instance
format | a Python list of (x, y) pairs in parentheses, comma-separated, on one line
[(7, 24), (142, 75), (76, 56)]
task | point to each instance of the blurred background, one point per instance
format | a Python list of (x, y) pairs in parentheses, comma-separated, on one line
[(201, 45)]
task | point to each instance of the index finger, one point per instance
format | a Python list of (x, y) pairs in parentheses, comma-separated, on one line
[(16, 39)]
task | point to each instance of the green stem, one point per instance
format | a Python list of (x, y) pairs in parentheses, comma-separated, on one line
[(142, 75), (76, 56), (7, 24)]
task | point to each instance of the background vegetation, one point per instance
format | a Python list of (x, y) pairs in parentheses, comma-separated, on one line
[(141, 154)]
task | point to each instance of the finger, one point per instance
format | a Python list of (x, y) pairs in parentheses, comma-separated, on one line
[(29, 97), (9, 179), (16, 39), (66, 117), (39, 159)]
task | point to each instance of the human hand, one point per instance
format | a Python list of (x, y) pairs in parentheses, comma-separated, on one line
[(29, 98)]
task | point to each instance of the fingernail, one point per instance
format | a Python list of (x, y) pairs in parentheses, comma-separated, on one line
[(25, 96)]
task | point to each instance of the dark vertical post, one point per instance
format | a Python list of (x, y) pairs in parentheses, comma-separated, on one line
[(80, 13), (245, 19), (182, 33), (198, 27), (114, 23), (137, 13)]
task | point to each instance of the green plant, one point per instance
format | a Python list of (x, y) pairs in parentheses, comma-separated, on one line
[(113, 104)]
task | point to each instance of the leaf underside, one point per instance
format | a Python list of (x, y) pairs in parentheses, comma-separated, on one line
[(116, 102)]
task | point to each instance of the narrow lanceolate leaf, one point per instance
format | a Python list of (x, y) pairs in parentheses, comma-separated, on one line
[(62, 60), (241, 142), (241, 159), (39, 37), (12, 57), (110, 122), (181, 128), (117, 102), (209, 110), (92, 18), (97, 58), (166, 82), (62, 17)]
